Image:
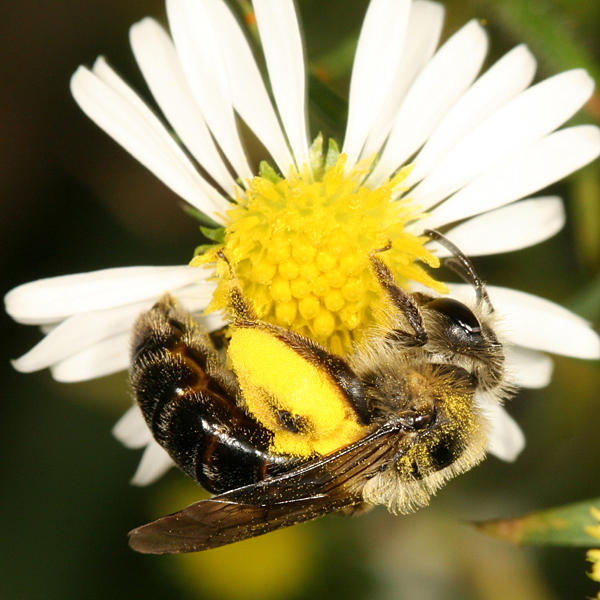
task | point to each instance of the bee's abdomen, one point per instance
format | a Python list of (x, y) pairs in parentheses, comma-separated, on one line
[(190, 413)]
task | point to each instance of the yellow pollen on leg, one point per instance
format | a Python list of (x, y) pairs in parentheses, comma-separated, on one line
[(300, 249)]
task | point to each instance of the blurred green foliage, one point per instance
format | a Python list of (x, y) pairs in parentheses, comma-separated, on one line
[(563, 526), (74, 201)]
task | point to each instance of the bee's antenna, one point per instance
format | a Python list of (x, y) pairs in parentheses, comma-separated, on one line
[(461, 264)]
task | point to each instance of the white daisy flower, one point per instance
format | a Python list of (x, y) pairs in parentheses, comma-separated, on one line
[(299, 232)]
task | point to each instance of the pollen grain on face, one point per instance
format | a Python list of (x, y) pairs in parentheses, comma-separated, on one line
[(300, 249)]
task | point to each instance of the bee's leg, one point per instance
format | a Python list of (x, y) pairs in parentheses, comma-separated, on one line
[(189, 401), (403, 302), (242, 311)]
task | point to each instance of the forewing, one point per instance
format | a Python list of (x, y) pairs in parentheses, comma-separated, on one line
[(310, 491)]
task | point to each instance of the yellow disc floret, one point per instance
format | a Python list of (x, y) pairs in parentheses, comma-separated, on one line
[(300, 249)]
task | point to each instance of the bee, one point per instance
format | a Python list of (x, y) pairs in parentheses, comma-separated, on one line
[(282, 431)]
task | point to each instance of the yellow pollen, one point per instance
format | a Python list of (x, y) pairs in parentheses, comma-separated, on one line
[(300, 248)]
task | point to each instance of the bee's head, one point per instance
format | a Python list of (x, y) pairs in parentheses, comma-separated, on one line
[(463, 336), (460, 334), (444, 330)]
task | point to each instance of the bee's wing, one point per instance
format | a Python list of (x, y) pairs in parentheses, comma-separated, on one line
[(310, 491)]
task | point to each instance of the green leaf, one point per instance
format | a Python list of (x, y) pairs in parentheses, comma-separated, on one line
[(316, 156), (198, 250), (333, 152), (216, 235), (562, 526), (200, 216), (266, 171)]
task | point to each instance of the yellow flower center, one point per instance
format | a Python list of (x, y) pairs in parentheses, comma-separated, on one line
[(300, 248)]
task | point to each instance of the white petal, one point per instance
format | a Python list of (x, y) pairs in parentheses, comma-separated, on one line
[(131, 429), (535, 167), (527, 368), (531, 115), (111, 355), (537, 323), (212, 322), (504, 80), (506, 440), (422, 37), (103, 358), (512, 227), (200, 53), (248, 92), (280, 37), (533, 322), (158, 61), (52, 299), (154, 464), (441, 83), (194, 299), (115, 108), (84, 330), (79, 332), (377, 57)]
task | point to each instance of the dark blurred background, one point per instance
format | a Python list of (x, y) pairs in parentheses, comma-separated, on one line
[(72, 200)]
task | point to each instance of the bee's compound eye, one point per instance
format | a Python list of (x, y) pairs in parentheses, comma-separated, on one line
[(460, 322)]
